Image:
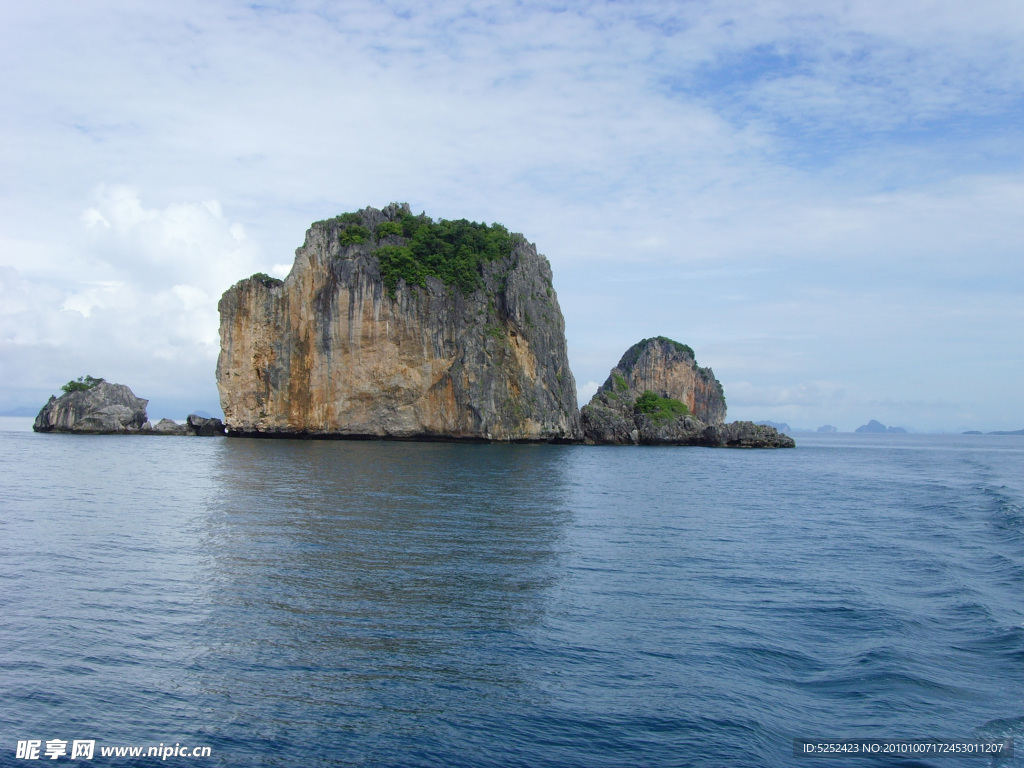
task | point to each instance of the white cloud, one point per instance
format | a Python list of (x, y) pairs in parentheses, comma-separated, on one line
[(185, 244), (280, 270), (149, 318), (584, 392), (96, 295)]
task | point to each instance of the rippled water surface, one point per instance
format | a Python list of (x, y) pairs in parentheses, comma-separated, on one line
[(307, 603)]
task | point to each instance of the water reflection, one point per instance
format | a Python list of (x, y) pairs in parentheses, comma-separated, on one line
[(375, 584)]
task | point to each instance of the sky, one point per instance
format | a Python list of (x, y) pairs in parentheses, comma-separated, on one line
[(824, 200)]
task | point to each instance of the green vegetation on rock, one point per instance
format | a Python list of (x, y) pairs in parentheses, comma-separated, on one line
[(266, 279), (452, 251), (660, 409), (350, 227), (84, 383), (386, 228), (354, 234)]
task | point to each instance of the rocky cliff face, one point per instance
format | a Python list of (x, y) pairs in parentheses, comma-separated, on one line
[(104, 408), (334, 350), (669, 369), (657, 395)]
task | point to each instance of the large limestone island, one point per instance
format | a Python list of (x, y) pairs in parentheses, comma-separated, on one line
[(658, 395), (391, 325)]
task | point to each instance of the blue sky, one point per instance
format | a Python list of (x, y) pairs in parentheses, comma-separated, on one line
[(825, 200)]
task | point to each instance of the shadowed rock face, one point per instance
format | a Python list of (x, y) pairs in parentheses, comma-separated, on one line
[(330, 352), (668, 369), (202, 426), (105, 408)]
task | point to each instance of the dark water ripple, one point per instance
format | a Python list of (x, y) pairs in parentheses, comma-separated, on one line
[(386, 604)]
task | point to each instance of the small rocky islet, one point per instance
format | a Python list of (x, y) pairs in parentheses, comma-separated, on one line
[(658, 395), (392, 325), (93, 406)]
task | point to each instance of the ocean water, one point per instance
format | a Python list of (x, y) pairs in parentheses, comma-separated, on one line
[(334, 603)]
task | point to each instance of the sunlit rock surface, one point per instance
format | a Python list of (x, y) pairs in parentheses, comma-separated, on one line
[(330, 351)]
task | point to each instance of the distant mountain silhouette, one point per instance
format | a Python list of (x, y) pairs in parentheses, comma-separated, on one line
[(23, 410), (876, 427), (783, 427)]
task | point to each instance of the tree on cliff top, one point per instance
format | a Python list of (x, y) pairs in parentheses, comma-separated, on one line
[(81, 385)]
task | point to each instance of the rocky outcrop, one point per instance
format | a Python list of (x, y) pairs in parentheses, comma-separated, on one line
[(657, 395), (166, 427), (202, 426), (113, 409), (669, 369), (194, 425), (104, 408), (745, 434), (781, 426), (347, 347)]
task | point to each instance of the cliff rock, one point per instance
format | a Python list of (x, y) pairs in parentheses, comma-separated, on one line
[(166, 427), (745, 434), (373, 334), (102, 409), (203, 427), (194, 426), (658, 395)]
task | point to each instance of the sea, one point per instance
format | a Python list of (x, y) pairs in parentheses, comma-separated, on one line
[(359, 603)]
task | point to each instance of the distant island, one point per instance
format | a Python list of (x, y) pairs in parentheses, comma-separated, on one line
[(999, 432), (875, 427)]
